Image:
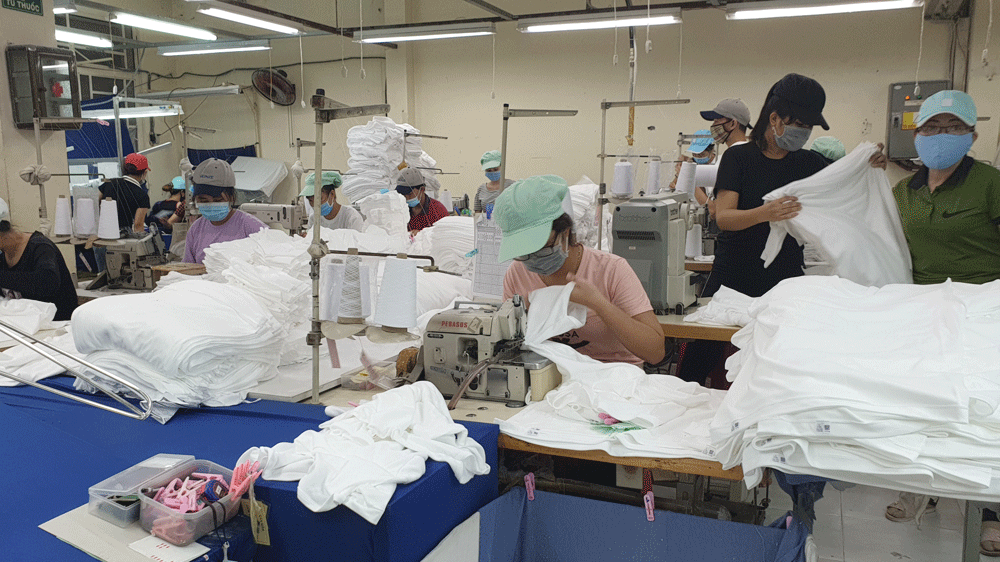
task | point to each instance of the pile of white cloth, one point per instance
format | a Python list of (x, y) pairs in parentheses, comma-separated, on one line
[(850, 217), (192, 343), (377, 151), (28, 315), (29, 365), (387, 211), (584, 197), (662, 416), (358, 458), (727, 308), (449, 241), (897, 387)]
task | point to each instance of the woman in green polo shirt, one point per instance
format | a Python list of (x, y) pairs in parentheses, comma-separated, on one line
[(950, 210)]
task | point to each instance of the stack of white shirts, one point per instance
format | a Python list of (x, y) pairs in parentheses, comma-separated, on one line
[(358, 458), (897, 387), (584, 196), (192, 343), (727, 308), (387, 211), (662, 416), (376, 152), (449, 241)]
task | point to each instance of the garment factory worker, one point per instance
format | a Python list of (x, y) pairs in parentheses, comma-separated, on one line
[(129, 192), (703, 153), (488, 192), (333, 214), (214, 194), (950, 211), (33, 268), (424, 211), (830, 148), (730, 120), (171, 210), (538, 235)]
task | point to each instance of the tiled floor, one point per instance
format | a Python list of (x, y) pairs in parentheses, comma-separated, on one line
[(851, 527)]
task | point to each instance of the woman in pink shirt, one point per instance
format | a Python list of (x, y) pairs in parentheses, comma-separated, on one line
[(538, 236)]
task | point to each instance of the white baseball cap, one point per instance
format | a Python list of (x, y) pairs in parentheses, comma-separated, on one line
[(4, 211)]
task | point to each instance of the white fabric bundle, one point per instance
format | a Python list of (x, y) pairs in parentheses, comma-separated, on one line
[(210, 343), (727, 308), (358, 458), (29, 315), (258, 174), (584, 196), (29, 365), (448, 241), (850, 216), (664, 416), (896, 387), (388, 211), (376, 150)]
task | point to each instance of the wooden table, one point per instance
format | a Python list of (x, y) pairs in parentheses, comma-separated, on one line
[(698, 266), (674, 326)]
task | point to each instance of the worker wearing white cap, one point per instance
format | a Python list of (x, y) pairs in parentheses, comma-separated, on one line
[(333, 215), (33, 268), (214, 196)]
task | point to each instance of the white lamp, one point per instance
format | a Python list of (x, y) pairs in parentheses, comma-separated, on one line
[(600, 20), (134, 112), (761, 10), (424, 32), (162, 26), (217, 47), (82, 39), (238, 15)]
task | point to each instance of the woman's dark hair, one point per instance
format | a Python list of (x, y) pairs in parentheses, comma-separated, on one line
[(774, 104), (131, 170), (5, 226), (561, 224), (328, 188), (170, 188), (231, 192)]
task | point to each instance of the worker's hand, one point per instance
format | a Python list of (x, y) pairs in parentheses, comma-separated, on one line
[(584, 293), (879, 159), (781, 209), (711, 208)]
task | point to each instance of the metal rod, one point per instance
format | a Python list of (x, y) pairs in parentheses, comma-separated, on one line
[(118, 136), (354, 252), (43, 212), (492, 9), (601, 189), (642, 103), (29, 341), (408, 134), (316, 251), (626, 155), (503, 145)]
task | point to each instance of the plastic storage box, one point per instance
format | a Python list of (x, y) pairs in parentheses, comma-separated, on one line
[(117, 499), (179, 528)]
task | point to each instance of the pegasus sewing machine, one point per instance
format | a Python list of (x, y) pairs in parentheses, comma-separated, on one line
[(128, 262), (474, 350)]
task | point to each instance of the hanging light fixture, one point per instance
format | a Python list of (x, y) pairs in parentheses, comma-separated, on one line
[(239, 15), (425, 32), (216, 47), (63, 7), (83, 39), (781, 9), (162, 26), (600, 20)]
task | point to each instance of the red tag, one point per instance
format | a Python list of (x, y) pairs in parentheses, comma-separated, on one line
[(650, 505), (529, 484)]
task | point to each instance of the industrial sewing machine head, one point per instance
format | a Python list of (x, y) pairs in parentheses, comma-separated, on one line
[(484, 335), (290, 217), (650, 233), (130, 259)]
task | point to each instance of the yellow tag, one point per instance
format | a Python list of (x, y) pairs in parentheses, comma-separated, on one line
[(257, 510), (909, 121), (402, 166)]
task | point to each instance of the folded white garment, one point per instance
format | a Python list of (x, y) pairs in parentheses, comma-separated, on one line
[(358, 458), (29, 365), (727, 308), (28, 315), (850, 217)]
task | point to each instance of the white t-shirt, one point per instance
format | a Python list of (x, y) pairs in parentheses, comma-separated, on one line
[(346, 217)]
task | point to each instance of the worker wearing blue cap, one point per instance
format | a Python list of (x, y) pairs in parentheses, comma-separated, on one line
[(950, 211), (171, 210)]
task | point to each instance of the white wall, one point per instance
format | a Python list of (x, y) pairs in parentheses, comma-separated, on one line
[(855, 58)]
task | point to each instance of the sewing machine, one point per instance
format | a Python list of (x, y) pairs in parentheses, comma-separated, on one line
[(650, 232), (458, 340), (290, 217), (129, 261)]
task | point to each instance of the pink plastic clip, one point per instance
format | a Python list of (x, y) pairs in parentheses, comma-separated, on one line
[(608, 420), (650, 505), (529, 485)]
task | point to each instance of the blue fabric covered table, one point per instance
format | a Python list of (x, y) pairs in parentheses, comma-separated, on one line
[(58, 448)]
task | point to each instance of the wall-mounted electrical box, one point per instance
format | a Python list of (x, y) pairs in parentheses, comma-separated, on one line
[(904, 106), (43, 83)]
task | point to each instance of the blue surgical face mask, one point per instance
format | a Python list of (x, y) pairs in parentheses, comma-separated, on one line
[(705, 160), (493, 176), (413, 202), (942, 151), (793, 139), (325, 209), (214, 212)]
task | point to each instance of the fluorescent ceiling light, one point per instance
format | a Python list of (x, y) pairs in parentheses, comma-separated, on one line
[(424, 32), (761, 10), (211, 48), (162, 26), (600, 20), (194, 92), (83, 39), (63, 7), (134, 112), (230, 15)]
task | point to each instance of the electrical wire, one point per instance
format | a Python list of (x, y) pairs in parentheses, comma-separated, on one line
[(493, 85), (680, 57), (989, 32), (920, 51), (302, 72), (159, 76), (361, 29), (270, 72), (614, 60)]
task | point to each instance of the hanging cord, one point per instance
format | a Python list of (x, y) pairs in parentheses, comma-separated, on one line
[(680, 57), (302, 72), (989, 31), (649, 42), (614, 59), (493, 86), (920, 51), (270, 74), (361, 30), (343, 53)]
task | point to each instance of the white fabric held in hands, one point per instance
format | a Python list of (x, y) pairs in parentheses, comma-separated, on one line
[(850, 216), (358, 458)]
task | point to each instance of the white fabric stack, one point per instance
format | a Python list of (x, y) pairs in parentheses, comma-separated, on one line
[(29, 365), (584, 195), (210, 343), (897, 387), (376, 153), (448, 241), (272, 248), (727, 308), (29, 315), (850, 217), (258, 174), (663, 416), (358, 458), (387, 211)]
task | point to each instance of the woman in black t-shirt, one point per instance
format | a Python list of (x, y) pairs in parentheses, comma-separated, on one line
[(33, 268)]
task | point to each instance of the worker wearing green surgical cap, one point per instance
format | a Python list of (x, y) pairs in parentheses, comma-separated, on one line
[(830, 148), (333, 215), (488, 192)]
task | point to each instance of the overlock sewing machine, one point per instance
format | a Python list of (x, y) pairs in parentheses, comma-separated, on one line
[(478, 346), (129, 260), (290, 217)]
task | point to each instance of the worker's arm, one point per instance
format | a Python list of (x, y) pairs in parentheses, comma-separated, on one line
[(140, 219), (729, 217), (640, 334), (701, 195)]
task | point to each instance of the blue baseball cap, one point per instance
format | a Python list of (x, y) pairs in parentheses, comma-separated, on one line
[(177, 183), (701, 145), (955, 102)]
